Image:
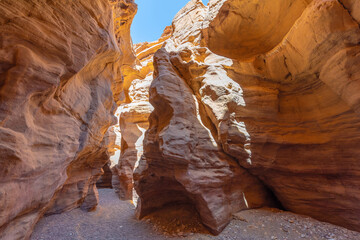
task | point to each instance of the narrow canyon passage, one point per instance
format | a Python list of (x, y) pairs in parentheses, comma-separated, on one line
[(239, 109)]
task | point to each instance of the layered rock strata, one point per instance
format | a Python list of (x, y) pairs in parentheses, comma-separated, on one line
[(279, 107), (59, 64)]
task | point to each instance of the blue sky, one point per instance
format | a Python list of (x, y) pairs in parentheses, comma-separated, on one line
[(153, 16)]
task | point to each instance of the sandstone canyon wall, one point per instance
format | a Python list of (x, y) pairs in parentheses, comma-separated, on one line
[(252, 97), (301, 100), (133, 115), (60, 72), (182, 160), (251, 103)]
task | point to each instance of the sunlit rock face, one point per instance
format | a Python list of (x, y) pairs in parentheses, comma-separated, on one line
[(133, 116), (133, 123), (59, 63), (123, 14), (250, 27), (183, 160), (279, 107), (301, 108)]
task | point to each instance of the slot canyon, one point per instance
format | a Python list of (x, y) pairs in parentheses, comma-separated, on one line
[(242, 121)]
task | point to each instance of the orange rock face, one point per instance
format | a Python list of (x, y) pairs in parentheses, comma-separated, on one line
[(252, 94), (183, 161), (59, 62), (300, 107), (246, 103), (133, 115)]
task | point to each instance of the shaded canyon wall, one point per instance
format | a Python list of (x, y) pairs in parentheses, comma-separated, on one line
[(60, 69)]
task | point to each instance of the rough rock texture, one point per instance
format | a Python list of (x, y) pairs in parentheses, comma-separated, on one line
[(133, 115), (282, 103), (182, 161), (301, 108), (252, 99), (105, 181), (133, 124), (59, 62)]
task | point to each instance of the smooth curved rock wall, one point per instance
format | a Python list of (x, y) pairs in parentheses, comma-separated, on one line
[(281, 100), (59, 62)]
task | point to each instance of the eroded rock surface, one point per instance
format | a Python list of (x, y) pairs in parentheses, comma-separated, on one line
[(254, 102), (301, 111), (182, 160), (133, 124), (278, 109), (105, 181), (133, 115), (59, 62)]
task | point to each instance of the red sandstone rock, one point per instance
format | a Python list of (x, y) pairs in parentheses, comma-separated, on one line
[(300, 109), (282, 101), (182, 160), (58, 65), (133, 124), (105, 181), (278, 108), (133, 115)]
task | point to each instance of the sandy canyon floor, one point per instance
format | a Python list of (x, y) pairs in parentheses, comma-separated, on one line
[(114, 219)]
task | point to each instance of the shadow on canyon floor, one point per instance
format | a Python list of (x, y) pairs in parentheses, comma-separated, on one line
[(114, 219)]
